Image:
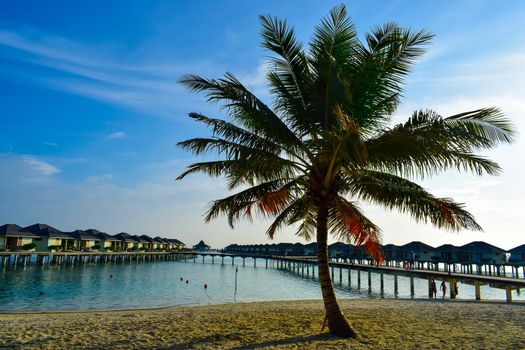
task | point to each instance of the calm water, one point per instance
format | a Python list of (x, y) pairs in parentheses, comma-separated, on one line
[(144, 285)]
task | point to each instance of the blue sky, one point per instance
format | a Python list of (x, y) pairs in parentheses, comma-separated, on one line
[(91, 109)]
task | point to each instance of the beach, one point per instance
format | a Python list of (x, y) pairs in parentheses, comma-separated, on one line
[(381, 324)]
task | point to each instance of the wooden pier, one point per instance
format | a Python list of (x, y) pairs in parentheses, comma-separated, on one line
[(306, 267), (82, 258)]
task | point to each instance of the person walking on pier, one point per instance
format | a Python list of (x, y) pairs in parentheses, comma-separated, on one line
[(443, 287)]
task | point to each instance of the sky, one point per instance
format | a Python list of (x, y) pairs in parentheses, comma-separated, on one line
[(91, 110)]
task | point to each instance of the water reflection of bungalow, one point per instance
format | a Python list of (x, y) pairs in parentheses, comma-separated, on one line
[(481, 253), (201, 247), (48, 236), (126, 239), (13, 237)]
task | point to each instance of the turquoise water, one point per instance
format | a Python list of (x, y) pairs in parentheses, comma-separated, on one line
[(157, 284)]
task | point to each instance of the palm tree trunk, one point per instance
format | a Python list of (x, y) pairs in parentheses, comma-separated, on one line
[(337, 323)]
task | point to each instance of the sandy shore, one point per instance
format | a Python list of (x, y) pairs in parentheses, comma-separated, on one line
[(382, 324)]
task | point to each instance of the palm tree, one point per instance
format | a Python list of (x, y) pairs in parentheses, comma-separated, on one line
[(325, 142)]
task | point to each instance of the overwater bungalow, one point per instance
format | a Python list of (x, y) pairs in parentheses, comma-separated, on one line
[(105, 241), (126, 239), (481, 253), (84, 240), (232, 249), (310, 249), (13, 237), (423, 252), (49, 238), (393, 254), (517, 259), (140, 243), (157, 243), (338, 250), (163, 243), (201, 247), (517, 256), (448, 254), (173, 244), (147, 242)]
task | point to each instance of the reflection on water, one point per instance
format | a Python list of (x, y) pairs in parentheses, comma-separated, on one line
[(143, 285)]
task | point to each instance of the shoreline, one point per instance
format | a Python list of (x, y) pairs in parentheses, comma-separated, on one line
[(381, 323), (84, 311)]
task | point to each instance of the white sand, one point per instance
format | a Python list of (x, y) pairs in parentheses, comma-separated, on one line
[(382, 324)]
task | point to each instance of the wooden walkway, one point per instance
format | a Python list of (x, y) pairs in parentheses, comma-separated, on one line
[(305, 266), (80, 258)]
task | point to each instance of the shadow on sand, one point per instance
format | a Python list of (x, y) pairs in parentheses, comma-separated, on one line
[(198, 343)]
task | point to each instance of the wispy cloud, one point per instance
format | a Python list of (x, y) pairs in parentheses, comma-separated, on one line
[(42, 167), (117, 135), (96, 72), (497, 70)]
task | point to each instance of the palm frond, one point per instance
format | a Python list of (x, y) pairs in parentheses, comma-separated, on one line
[(243, 107), (349, 224), (247, 171), (300, 210), (379, 71), (266, 199), (289, 76), (394, 192), (487, 124), (428, 144)]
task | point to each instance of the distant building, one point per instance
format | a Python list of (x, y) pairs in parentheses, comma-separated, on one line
[(517, 256), (201, 247), (481, 253), (13, 237), (47, 236)]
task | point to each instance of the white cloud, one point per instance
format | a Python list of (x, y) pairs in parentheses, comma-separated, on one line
[(117, 135), (40, 166)]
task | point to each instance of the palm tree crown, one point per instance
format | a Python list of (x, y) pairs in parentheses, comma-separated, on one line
[(325, 143)]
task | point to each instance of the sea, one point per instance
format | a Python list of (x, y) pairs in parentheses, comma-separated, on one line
[(194, 282)]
